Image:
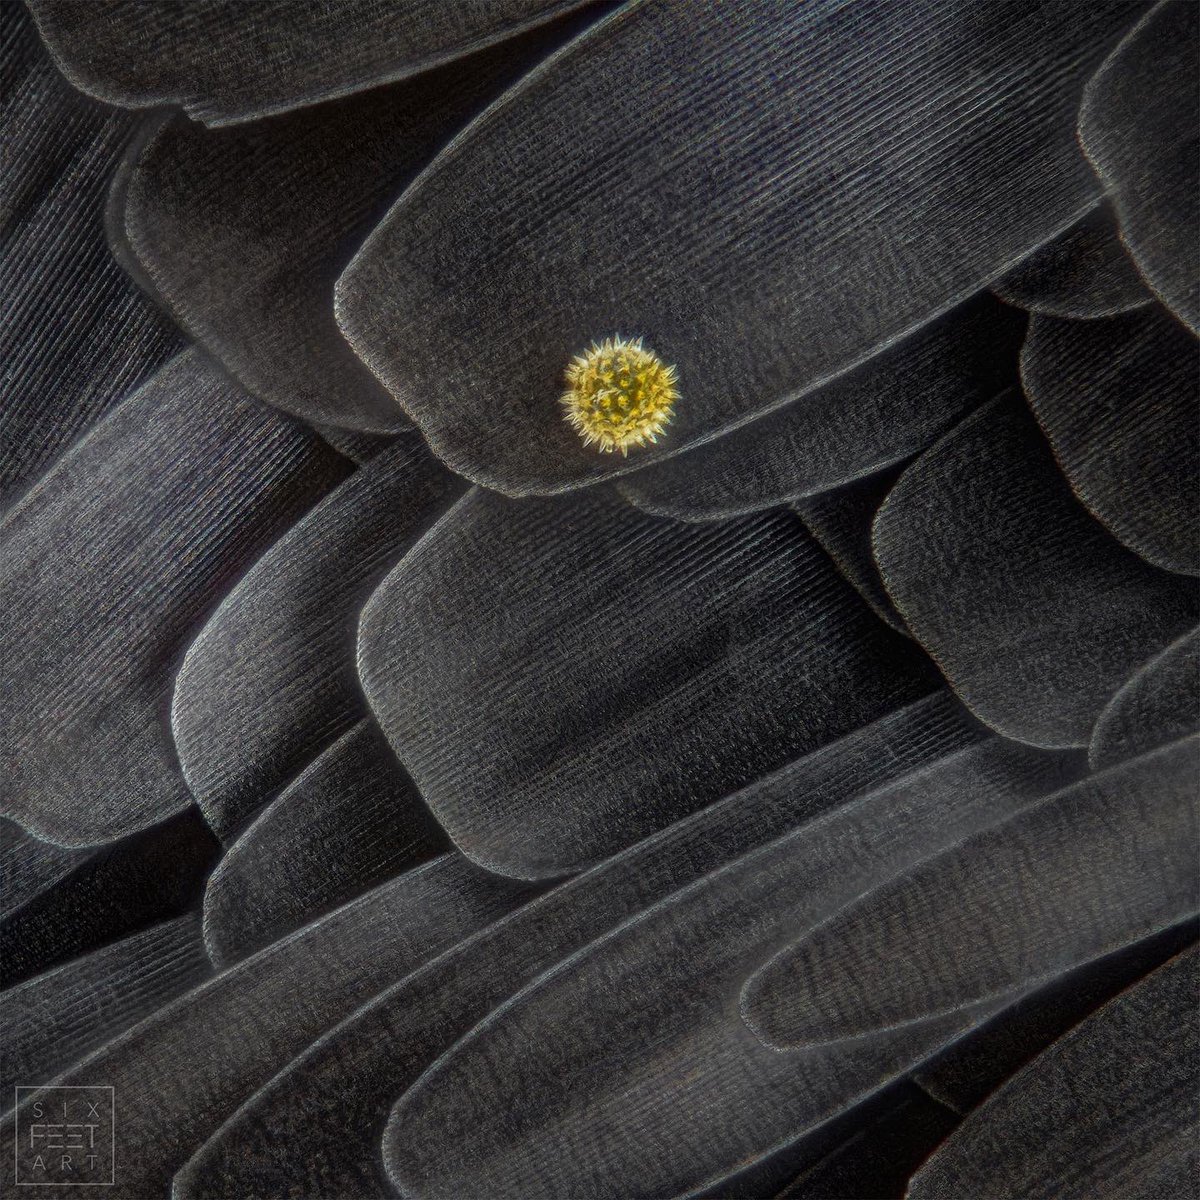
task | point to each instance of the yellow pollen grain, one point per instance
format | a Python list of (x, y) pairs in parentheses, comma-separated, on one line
[(619, 394)]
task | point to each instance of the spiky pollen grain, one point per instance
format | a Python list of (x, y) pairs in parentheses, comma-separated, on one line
[(619, 394)]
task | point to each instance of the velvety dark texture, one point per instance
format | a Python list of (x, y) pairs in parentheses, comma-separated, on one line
[(562, 678), (895, 403), (774, 215), (29, 865), (1083, 273), (877, 1162), (75, 336), (963, 1076), (241, 232), (314, 1131), (1119, 400), (349, 821), (401, 798), (1140, 126), (1106, 861), (111, 564), (774, 1172), (634, 1073), (181, 1072), (109, 893), (842, 522), (226, 61), (55, 1019), (1111, 1110), (270, 680), (1033, 611), (1159, 702)]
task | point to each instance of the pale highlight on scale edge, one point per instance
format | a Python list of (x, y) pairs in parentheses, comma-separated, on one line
[(619, 394)]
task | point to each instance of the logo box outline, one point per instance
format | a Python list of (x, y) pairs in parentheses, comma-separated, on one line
[(34, 1089)]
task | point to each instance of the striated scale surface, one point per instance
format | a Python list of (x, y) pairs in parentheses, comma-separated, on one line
[(334, 1100), (351, 820), (111, 565), (214, 58), (1119, 401), (1033, 611), (1109, 1111), (1139, 124), (635, 1073), (240, 232), (75, 336), (761, 264), (1080, 275), (563, 678), (239, 1028), (270, 681)]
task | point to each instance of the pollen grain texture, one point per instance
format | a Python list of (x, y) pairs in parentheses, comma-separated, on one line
[(619, 394)]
